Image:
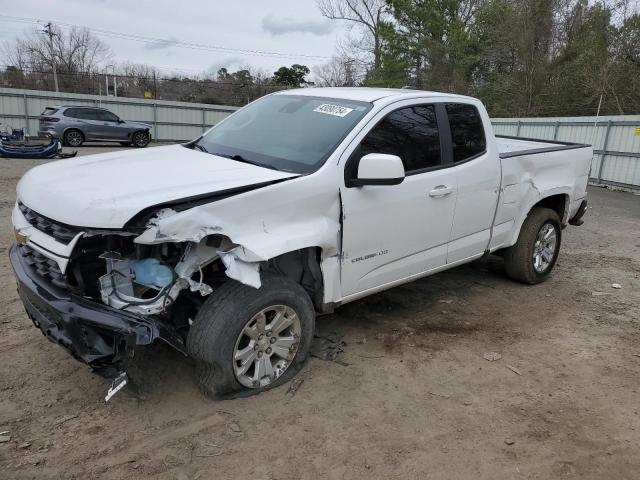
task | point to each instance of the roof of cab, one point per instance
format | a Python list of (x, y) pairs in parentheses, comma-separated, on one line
[(364, 94)]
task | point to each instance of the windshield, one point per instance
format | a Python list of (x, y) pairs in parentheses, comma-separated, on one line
[(294, 133)]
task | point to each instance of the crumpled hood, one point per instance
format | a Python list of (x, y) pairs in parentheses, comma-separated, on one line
[(106, 190)]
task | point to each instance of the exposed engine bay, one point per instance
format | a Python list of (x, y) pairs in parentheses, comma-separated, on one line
[(167, 279)]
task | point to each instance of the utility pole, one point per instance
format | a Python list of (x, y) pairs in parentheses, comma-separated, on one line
[(348, 67), (155, 86), (48, 30)]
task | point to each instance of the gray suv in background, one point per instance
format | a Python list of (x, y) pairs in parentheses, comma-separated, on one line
[(75, 125)]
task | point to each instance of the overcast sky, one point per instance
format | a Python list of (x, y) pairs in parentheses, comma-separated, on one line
[(285, 26)]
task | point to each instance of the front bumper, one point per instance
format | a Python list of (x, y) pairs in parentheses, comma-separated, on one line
[(93, 333)]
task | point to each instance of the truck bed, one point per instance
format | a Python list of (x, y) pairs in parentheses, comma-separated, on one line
[(534, 169), (518, 146)]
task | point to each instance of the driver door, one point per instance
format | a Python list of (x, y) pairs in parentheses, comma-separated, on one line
[(392, 233)]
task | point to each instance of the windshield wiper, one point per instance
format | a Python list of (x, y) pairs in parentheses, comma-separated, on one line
[(239, 158), (200, 147)]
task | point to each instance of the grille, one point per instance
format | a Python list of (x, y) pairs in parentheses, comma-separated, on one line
[(43, 266), (62, 233)]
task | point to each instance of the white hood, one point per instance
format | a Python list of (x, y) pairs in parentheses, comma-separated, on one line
[(106, 190)]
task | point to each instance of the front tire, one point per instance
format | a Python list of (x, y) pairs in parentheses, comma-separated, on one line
[(140, 139), (249, 340), (535, 253)]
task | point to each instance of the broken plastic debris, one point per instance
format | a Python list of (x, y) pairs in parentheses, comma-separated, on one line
[(118, 384), (244, 272), (617, 286), (513, 369), (295, 384), (492, 356)]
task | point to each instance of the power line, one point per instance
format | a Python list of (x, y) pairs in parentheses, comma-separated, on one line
[(170, 42)]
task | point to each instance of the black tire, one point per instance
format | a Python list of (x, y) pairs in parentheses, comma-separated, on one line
[(212, 338), (518, 259), (125, 144), (73, 138), (140, 139)]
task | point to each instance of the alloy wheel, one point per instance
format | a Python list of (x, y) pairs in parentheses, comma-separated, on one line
[(544, 248), (266, 346)]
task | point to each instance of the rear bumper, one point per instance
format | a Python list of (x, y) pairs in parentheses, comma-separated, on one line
[(93, 333), (51, 131)]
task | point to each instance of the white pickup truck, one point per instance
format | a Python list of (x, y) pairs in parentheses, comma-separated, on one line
[(228, 246)]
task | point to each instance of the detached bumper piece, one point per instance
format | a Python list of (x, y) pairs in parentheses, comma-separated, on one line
[(100, 336), (577, 218)]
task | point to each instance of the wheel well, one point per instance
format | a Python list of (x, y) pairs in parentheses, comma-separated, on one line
[(557, 203), (303, 267)]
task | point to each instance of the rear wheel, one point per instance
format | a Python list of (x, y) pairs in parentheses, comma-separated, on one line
[(535, 253), (140, 139), (73, 138), (248, 340)]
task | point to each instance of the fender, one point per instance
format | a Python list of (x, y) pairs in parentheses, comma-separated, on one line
[(534, 197), (261, 224)]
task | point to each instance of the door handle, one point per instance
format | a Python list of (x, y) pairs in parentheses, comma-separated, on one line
[(440, 191)]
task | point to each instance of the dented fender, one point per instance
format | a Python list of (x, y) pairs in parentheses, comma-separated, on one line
[(261, 225)]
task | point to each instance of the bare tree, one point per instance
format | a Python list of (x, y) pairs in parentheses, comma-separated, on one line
[(340, 71), (72, 52), (365, 14)]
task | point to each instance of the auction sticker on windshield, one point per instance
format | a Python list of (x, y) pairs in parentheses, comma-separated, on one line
[(335, 110)]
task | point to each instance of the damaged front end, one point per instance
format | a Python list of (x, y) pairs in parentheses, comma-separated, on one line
[(116, 295)]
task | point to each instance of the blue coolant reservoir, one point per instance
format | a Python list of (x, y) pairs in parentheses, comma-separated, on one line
[(151, 273)]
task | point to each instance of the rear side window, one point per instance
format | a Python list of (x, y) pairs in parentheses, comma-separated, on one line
[(71, 112), (467, 133), (49, 111), (84, 113), (89, 114), (410, 133)]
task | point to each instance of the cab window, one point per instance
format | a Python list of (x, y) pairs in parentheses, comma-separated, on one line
[(467, 132), (410, 133)]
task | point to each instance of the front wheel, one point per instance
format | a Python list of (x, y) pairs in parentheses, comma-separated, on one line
[(141, 139), (535, 253), (248, 340)]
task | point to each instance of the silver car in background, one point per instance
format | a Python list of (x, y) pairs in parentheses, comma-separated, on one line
[(76, 125)]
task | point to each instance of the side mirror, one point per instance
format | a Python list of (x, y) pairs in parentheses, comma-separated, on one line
[(379, 169)]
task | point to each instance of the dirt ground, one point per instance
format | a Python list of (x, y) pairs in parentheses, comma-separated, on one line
[(411, 396)]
